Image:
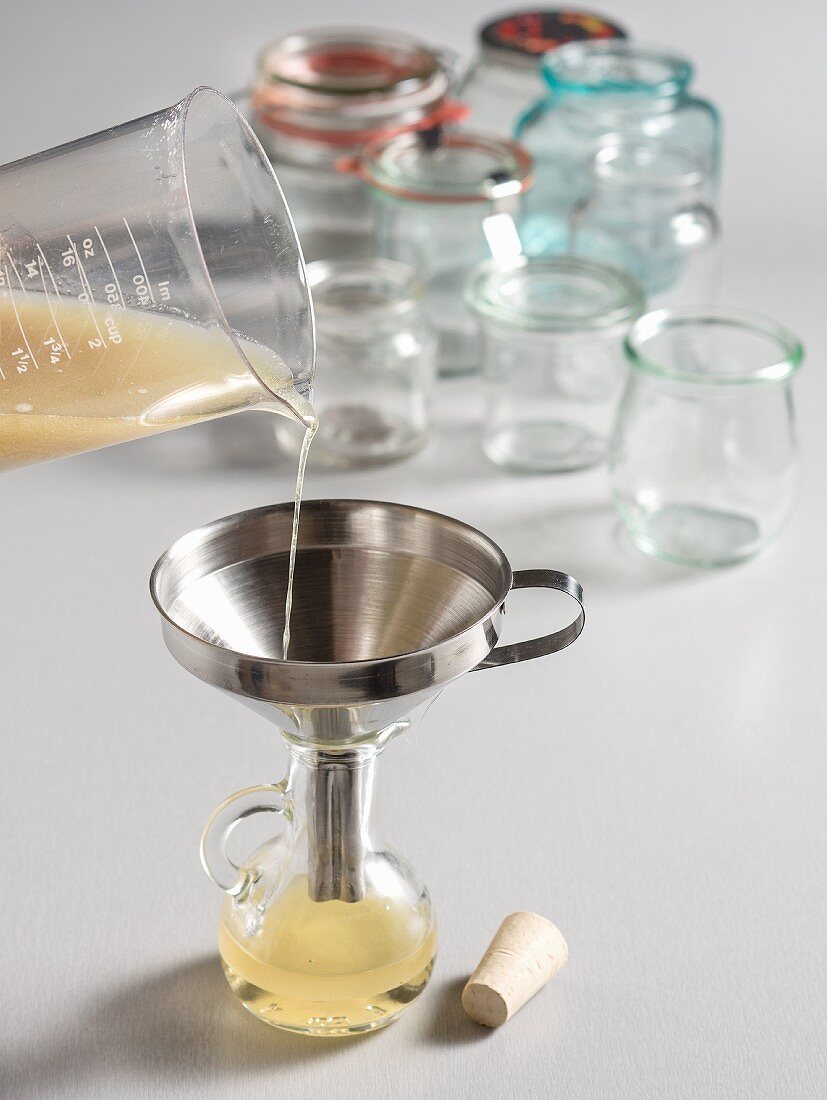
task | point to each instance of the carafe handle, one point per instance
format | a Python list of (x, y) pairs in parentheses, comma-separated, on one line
[(549, 643), (225, 873)]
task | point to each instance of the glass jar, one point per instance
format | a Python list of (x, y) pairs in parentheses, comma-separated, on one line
[(601, 92), (321, 95), (703, 458), (504, 80), (378, 355), (552, 334), (647, 214), (433, 201)]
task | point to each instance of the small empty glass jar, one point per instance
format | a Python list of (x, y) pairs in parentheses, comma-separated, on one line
[(703, 458), (552, 333), (320, 95), (602, 92), (376, 359), (433, 201), (646, 213), (504, 79)]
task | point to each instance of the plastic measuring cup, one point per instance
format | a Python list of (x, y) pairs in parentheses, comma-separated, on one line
[(150, 277)]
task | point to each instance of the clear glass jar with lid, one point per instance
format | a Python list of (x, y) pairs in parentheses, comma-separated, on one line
[(320, 95), (377, 352), (601, 92), (704, 457), (433, 203), (504, 80), (552, 334), (647, 214)]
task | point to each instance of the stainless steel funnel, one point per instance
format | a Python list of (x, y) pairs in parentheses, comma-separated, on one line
[(390, 603)]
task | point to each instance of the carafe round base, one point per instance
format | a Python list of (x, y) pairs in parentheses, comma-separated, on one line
[(355, 1016)]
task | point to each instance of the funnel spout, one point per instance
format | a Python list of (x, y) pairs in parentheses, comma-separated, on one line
[(338, 793)]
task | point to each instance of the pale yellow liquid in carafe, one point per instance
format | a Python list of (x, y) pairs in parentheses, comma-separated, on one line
[(331, 967)]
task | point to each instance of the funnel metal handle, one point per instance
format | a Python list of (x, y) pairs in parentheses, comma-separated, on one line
[(216, 861), (549, 643)]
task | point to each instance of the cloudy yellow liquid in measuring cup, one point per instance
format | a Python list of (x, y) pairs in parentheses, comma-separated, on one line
[(77, 378)]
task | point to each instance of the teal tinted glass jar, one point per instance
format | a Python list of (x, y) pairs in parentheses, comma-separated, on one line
[(599, 93), (646, 214)]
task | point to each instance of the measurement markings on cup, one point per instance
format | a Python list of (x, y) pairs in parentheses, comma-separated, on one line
[(110, 294), (136, 279), (17, 273), (22, 365), (41, 260), (86, 295)]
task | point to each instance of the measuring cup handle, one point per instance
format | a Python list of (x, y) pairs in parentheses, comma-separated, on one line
[(550, 643), (225, 873)]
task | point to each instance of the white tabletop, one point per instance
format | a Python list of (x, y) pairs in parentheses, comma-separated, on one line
[(657, 789)]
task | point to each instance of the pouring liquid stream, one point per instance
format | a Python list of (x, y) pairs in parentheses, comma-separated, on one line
[(75, 377), (309, 432)]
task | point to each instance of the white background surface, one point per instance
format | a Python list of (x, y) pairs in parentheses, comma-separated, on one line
[(657, 790)]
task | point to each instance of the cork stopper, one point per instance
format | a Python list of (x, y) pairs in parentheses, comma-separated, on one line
[(526, 951)]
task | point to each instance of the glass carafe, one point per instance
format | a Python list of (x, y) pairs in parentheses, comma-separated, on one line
[(600, 92), (326, 931), (150, 277)]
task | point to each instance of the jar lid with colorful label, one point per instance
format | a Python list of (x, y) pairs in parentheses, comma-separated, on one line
[(521, 37)]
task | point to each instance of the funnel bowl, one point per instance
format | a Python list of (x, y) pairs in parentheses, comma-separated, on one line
[(388, 601)]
